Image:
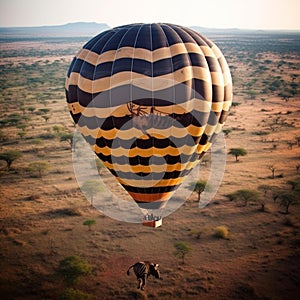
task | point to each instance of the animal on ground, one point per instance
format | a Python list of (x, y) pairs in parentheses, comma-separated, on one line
[(143, 270)]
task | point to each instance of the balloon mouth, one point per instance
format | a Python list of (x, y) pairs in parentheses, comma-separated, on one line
[(151, 205)]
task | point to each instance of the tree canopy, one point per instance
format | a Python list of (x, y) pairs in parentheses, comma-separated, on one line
[(237, 152), (10, 157)]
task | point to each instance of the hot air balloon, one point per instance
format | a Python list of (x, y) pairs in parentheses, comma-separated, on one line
[(149, 99)]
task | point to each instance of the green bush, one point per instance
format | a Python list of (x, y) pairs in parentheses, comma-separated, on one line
[(11, 120), (245, 196), (74, 294), (46, 136), (89, 223), (221, 232), (198, 232), (73, 267), (38, 168)]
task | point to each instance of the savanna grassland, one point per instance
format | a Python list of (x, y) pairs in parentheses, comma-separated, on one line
[(42, 209)]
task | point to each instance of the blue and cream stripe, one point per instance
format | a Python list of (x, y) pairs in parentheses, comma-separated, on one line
[(173, 69)]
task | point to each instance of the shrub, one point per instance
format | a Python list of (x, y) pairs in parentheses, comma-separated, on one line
[(295, 184), (70, 212), (38, 168), (221, 232), (58, 129), (44, 110), (197, 233), (245, 195), (74, 294), (36, 141), (11, 120), (260, 132), (46, 136), (137, 295), (234, 104), (31, 109), (288, 222), (21, 134), (73, 267), (227, 131)]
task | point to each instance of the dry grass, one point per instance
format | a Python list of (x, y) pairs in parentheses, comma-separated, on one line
[(221, 232), (41, 218)]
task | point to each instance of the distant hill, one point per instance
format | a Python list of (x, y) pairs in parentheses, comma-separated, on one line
[(218, 31), (66, 30), (215, 30), (89, 29)]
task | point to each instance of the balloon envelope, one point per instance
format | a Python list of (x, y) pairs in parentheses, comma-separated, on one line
[(149, 99)]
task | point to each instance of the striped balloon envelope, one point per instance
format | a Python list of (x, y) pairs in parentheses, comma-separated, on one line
[(149, 99)]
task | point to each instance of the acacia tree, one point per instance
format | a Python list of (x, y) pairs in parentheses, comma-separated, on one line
[(99, 165), (227, 131), (67, 137), (237, 152), (91, 188), (31, 109), (46, 118), (245, 196), (89, 223), (70, 138), (286, 200), (199, 187), (9, 157), (181, 250), (295, 184)]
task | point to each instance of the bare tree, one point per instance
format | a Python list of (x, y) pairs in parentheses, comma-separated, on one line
[(272, 168)]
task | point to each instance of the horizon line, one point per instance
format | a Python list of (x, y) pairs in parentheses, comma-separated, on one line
[(109, 26)]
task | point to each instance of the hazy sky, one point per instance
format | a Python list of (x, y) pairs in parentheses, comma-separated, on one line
[(256, 14)]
